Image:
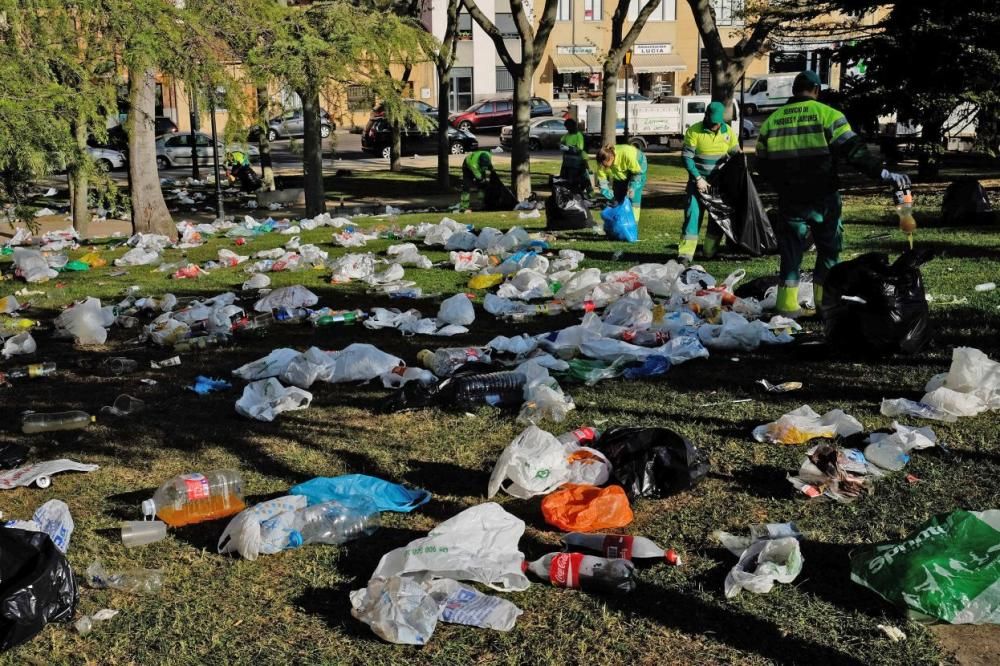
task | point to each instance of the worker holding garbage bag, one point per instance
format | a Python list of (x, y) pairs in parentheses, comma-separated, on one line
[(798, 151), (707, 145), (574, 167), (476, 171), (621, 174)]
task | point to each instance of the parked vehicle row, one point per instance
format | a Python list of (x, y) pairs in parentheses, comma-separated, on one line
[(377, 139), (175, 150)]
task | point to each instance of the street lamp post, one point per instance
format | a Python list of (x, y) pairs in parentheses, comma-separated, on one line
[(628, 66), (219, 209), (195, 126)]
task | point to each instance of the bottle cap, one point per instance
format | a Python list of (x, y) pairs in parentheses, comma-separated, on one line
[(524, 565), (672, 557), (294, 539), (148, 508)]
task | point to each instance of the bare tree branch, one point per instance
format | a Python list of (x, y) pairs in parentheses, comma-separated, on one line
[(494, 33), (544, 28)]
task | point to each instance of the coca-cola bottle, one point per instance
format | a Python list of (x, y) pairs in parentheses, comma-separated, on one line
[(590, 574), (581, 436), (637, 549)]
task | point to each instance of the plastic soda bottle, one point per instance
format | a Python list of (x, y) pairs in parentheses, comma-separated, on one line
[(333, 523), (904, 209), (37, 422), (632, 548), (585, 572), (194, 498)]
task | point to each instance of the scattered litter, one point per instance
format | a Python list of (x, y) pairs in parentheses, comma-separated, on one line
[(803, 424), (143, 581), (839, 474), (165, 363), (971, 386), (784, 387), (86, 623), (265, 399), (894, 634), (40, 473), (770, 557)]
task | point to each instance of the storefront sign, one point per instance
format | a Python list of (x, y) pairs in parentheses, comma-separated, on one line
[(576, 50), (652, 49)]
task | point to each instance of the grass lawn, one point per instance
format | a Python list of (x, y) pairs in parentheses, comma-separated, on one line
[(293, 607)]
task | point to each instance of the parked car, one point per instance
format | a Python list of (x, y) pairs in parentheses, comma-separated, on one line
[(164, 125), (749, 130), (175, 150), (377, 139), (107, 159), (543, 133), (292, 124), (418, 105), (495, 113)]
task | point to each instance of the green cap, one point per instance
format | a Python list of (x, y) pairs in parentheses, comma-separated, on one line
[(806, 81), (715, 114)]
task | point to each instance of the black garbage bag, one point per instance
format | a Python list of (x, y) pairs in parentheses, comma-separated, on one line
[(965, 203), (566, 209), (652, 462), (36, 586), (248, 178), (750, 227), (873, 307), (472, 385), (496, 195), (12, 455)]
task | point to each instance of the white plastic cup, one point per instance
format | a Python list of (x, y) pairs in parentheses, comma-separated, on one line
[(986, 286), (142, 532)]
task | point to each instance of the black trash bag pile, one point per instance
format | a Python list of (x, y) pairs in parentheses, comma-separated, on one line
[(248, 178), (873, 307), (566, 209), (965, 203), (496, 195), (36, 586), (652, 462), (735, 207)]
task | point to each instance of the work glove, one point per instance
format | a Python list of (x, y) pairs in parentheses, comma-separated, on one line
[(563, 147), (703, 185), (900, 181), (630, 194), (607, 194)]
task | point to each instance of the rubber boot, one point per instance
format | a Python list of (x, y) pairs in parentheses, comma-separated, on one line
[(686, 249), (711, 246), (788, 301), (464, 202), (818, 298)]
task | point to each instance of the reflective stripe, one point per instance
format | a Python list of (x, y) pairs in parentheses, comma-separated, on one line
[(800, 141), (795, 131), (687, 152), (790, 153), (837, 123), (843, 137)]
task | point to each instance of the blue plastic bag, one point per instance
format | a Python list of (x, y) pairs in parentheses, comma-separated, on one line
[(619, 222), (651, 366), (386, 496)]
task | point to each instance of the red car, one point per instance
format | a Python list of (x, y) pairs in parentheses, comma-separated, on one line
[(495, 113)]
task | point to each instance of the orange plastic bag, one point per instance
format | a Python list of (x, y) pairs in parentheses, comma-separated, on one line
[(580, 508)]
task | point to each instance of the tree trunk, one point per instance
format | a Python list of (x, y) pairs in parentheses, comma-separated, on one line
[(609, 105), (264, 143), (726, 76), (149, 211), (444, 149), (520, 156), (78, 181), (312, 153), (396, 147)]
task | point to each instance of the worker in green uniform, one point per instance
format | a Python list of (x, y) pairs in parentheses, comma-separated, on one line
[(574, 167), (707, 144), (621, 173), (476, 171), (798, 151)]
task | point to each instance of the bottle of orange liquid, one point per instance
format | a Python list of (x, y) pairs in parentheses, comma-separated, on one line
[(194, 498)]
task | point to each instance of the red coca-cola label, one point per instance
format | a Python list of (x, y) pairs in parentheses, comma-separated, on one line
[(618, 546), (564, 570), (585, 434), (196, 486), (472, 354)]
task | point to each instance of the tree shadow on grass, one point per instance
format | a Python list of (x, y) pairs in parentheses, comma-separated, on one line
[(447, 478), (763, 481)]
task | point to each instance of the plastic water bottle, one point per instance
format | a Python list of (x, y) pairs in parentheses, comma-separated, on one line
[(904, 209), (291, 315), (443, 362), (194, 498), (37, 422), (333, 523), (201, 342), (334, 318), (904, 407), (149, 581), (621, 546), (30, 371), (497, 389), (887, 455), (581, 436), (585, 572)]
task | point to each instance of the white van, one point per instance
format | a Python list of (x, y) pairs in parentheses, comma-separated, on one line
[(661, 123), (767, 93)]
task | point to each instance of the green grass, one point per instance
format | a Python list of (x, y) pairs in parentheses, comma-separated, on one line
[(293, 607)]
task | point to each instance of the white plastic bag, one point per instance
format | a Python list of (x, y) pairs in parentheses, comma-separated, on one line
[(971, 387), (307, 367), (457, 310), (407, 254), (763, 564), (479, 544), (83, 321), (52, 518), (32, 265), (261, 529), (22, 343), (265, 399), (466, 262), (519, 346), (803, 424), (535, 463), (289, 298), (352, 267), (361, 362), (271, 365)]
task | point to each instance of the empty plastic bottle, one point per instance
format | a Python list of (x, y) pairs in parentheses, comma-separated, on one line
[(34, 370), (585, 572), (334, 318), (443, 362), (887, 454), (291, 315), (497, 389), (38, 422), (622, 546), (904, 210), (582, 436), (194, 498), (201, 342), (333, 523), (149, 581), (904, 407)]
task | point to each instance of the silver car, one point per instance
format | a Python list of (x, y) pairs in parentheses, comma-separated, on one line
[(543, 133), (107, 159), (175, 150)]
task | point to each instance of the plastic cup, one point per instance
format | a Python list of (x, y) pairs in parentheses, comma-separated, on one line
[(142, 532)]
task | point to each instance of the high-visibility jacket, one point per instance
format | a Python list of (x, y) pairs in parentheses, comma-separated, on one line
[(574, 140), (800, 145), (704, 148), (627, 166), (479, 163)]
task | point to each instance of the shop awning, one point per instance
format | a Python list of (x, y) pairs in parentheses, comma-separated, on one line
[(580, 63), (655, 64)]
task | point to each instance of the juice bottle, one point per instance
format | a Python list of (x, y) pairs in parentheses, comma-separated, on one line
[(194, 498)]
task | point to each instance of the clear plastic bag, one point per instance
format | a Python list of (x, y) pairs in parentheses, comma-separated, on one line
[(457, 310)]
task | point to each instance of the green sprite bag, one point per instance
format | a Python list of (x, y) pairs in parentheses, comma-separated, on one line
[(948, 569)]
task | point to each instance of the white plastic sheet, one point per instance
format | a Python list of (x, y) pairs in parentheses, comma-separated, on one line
[(265, 399), (971, 386), (803, 424), (292, 297), (84, 322)]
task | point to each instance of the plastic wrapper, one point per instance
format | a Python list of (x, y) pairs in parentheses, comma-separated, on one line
[(265, 399), (24, 476), (947, 569), (286, 297), (348, 489), (587, 508), (652, 462), (763, 564), (803, 424)]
